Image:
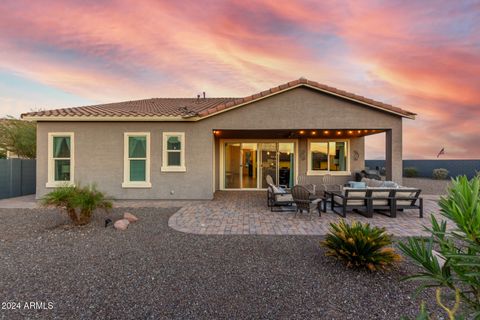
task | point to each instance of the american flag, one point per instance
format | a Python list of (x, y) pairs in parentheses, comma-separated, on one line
[(441, 152)]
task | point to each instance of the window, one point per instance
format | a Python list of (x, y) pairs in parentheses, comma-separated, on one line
[(327, 156), (173, 151), (60, 159), (136, 160)]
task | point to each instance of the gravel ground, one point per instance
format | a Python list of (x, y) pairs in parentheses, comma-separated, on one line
[(151, 271)]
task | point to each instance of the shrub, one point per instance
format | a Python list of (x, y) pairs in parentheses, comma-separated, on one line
[(360, 245), (458, 266), (440, 174), (410, 172), (79, 202)]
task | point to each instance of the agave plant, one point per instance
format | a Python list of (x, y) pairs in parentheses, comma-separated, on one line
[(456, 265), (360, 245), (79, 202)]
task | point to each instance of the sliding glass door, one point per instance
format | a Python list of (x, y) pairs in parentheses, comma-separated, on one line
[(269, 163), (232, 165), (247, 164), (286, 163)]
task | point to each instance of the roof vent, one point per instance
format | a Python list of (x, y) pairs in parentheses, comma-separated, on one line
[(198, 97), (203, 94), (185, 110)]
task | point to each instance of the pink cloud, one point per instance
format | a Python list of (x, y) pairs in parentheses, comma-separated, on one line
[(414, 55)]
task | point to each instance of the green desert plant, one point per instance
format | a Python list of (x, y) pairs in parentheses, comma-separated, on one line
[(456, 265), (451, 312), (440, 174), (410, 172), (78, 202), (360, 245), (62, 197)]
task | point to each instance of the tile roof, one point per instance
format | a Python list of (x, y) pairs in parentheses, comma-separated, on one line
[(168, 107), (199, 108)]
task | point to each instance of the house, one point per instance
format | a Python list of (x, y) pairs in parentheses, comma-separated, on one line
[(187, 148)]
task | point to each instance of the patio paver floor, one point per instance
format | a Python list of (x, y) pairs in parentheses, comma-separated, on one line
[(238, 212)]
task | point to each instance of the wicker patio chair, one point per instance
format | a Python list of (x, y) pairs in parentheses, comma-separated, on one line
[(329, 184), (302, 181), (303, 201)]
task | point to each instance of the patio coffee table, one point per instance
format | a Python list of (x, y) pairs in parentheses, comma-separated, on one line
[(328, 197)]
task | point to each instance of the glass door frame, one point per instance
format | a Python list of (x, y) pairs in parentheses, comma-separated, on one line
[(221, 166)]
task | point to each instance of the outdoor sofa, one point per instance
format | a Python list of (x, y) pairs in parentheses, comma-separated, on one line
[(367, 199)]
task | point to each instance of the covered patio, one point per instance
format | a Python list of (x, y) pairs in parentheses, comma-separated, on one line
[(237, 212), (243, 158)]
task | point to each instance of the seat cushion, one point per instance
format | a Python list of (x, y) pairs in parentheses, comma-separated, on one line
[(357, 185), (286, 197), (404, 193), (339, 200), (380, 194), (391, 184), (373, 183), (278, 189)]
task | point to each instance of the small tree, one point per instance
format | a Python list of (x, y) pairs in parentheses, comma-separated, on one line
[(456, 265), (440, 174), (410, 172), (78, 202), (18, 137)]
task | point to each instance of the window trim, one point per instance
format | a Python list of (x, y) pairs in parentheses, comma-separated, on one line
[(51, 182), (311, 172), (126, 162), (165, 167)]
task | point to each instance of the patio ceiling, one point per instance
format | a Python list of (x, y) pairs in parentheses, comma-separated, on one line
[(331, 133)]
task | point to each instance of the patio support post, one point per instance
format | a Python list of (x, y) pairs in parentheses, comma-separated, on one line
[(393, 156)]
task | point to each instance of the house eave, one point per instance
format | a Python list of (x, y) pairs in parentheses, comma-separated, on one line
[(108, 119), (211, 113), (408, 116)]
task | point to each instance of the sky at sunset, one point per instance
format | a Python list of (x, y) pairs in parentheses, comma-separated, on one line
[(423, 56)]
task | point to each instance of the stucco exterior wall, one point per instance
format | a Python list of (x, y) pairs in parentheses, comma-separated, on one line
[(99, 145)]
